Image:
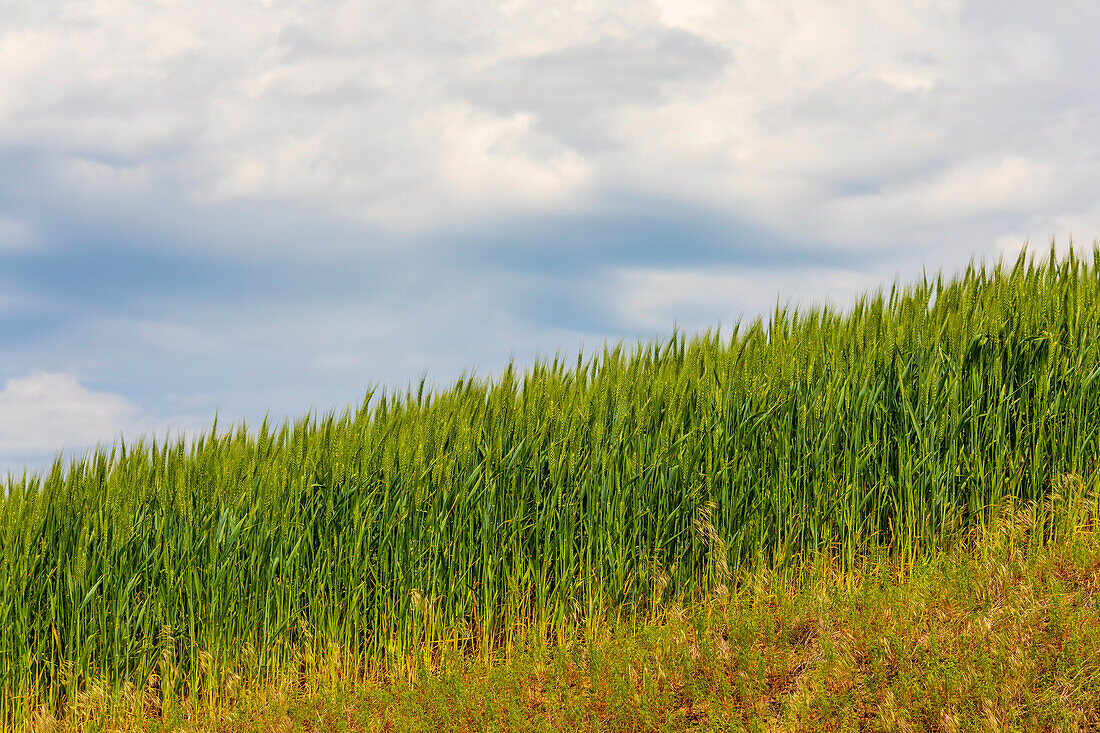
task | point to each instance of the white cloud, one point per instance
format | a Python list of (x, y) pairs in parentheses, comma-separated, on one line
[(487, 162), (972, 190), (838, 122), (97, 181), (1082, 230), (16, 235), (653, 299), (46, 411)]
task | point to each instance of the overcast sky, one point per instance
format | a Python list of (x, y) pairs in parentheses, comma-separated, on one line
[(269, 206)]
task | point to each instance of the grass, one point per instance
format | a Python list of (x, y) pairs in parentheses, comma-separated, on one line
[(997, 634), (563, 501)]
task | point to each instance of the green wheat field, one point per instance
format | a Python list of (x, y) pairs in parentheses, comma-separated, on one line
[(598, 493)]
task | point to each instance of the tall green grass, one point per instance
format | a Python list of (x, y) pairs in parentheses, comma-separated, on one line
[(530, 504)]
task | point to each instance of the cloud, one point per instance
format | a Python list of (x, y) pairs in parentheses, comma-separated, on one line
[(45, 413), (573, 92), (41, 412), (16, 235), (651, 299), (800, 116), (285, 334)]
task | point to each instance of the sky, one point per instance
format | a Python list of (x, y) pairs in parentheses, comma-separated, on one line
[(266, 207)]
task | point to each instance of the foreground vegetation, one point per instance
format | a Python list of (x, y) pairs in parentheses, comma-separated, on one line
[(575, 496), (999, 634)]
